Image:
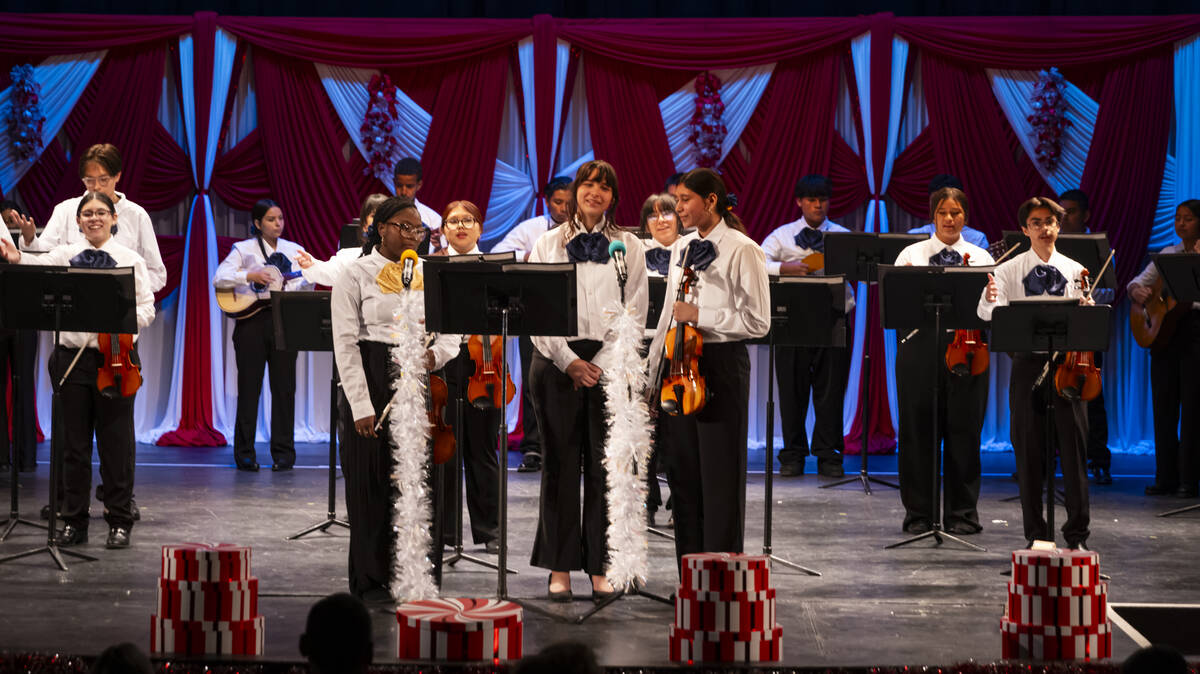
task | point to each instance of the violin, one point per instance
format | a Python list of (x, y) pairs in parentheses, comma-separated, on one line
[(1078, 378), (683, 389), (483, 388), (440, 431), (118, 376), (968, 353)]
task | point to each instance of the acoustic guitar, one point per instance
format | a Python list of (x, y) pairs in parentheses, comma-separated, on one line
[(1153, 323), (243, 301)]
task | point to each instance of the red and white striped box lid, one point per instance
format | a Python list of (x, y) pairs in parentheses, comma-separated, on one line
[(460, 614), (1100, 588), (205, 561), (730, 596), (701, 646), (1071, 607), (208, 600), (725, 580), (219, 637), (1046, 642), (726, 561), (1055, 558), (741, 616)]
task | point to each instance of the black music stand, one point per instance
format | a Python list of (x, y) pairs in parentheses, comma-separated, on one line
[(18, 437), (1051, 326), (857, 256), (61, 299), (459, 404), (351, 235), (936, 299), (658, 297), (303, 323), (805, 311), (1181, 275)]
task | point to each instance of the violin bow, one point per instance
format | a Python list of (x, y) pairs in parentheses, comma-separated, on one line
[(1100, 276)]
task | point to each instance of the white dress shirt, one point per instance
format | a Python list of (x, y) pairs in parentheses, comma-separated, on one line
[(973, 236), (60, 256), (520, 239), (733, 293), (326, 272), (360, 311), (596, 288), (918, 254), (1010, 278), (246, 256), (780, 246), (134, 231), (1150, 274)]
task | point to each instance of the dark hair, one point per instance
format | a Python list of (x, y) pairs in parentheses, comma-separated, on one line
[(337, 635), (96, 196), (705, 181), (1077, 195), (10, 205), (600, 171), (409, 166), (945, 193), (813, 186), (468, 207), (385, 211), (369, 205), (1036, 203), (1192, 205), (124, 658), (104, 154), (944, 180), (672, 181), (566, 657), (258, 212), (557, 183), (1156, 659), (664, 203)]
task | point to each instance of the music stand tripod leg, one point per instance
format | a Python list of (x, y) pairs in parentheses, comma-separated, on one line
[(331, 511)]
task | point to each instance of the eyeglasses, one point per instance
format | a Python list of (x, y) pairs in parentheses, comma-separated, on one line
[(1048, 223), (102, 181), (465, 223), (94, 214), (405, 228), (665, 217)]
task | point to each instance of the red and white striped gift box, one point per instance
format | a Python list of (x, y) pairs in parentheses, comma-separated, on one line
[(701, 646), (220, 637), (1055, 568), (1064, 606), (206, 562), (725, 611), (725, 572), (208, 600), (459, 629), (1048, 642)]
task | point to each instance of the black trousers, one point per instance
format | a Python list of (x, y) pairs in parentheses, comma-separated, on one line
[(82, 414), (367, 465), (18, 354), (570, 536), (254, 348), (1027, 410), (962, 403), (477, 452), (1176, 391), (706, 457), (823, 371), (531, 440), (1098, 454)]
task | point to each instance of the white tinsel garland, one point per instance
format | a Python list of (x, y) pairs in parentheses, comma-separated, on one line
[(412, 570), (626, 447)]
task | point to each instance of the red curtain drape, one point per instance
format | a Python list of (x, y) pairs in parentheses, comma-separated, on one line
[(240, 175), (36, 35), (911, 173)]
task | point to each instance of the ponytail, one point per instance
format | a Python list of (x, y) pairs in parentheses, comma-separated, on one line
[(705, 181)]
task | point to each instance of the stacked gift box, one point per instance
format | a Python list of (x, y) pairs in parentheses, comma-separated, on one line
[(1057, 607), (459, 630), (207, 602), (725, 610)]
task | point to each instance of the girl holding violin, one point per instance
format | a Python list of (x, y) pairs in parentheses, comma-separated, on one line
[(254, 338), (366, 295), (727, 302), (462, 223), (568, 400), (962, 397), (93, 401), (1042, 270)]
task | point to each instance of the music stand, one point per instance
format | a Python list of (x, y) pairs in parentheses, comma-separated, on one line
[(351, 235), (1088, 249), (459, 405), (857, 256), (1050, 326), (658, 297), (1181, 275), (59, 299), (936, 299), (302, 323), (805, 311), (18, 437)]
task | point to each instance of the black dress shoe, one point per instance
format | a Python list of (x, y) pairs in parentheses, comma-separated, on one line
[(831, 469), (599, 596), (136, 511), (118, 537), (564, 596), (1080, 546), (492, 547), (249, 467), (280, 467), (963, 528), (530, 463), (1187, 492), (1157, 489), (917, 527), (1103, 475), (377, 595), (45, 513), (791, 469), (71, 535)]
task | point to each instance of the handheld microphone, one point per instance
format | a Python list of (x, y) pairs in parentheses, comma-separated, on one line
[(409, 259), (616, 250)]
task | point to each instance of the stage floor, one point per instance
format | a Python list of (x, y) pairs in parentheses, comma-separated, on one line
[(915, 605)]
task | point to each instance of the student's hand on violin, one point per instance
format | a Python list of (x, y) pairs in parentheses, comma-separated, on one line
[(794, 268), (430, 360), (365, 426), (9, 251), (1139, 294), (304, 260), (991, 293), (1087, 301), (261, 276), (583, 373), (685, 312)]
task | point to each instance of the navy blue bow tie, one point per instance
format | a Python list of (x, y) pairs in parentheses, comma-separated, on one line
[(946, 257), (811, 238), (700, 254), (92, 258), (588, 247), (657, 259), (1044, 279)]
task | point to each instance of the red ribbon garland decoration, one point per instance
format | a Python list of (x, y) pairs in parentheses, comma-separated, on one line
[(1049, 118), (707, 130), (378, 131)]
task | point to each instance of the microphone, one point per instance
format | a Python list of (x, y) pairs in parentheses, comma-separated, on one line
[(616, 250), (409, 259)]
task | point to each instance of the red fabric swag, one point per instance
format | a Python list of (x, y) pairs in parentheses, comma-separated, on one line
[(240, 175), (32, 35)]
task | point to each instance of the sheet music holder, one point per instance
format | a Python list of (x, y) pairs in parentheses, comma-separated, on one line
[(1088, 249), (351, 235), (934, 299), (70, 299), (658, 298)]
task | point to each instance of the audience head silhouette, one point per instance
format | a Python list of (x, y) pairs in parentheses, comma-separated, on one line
[(337, 636), (122, 659), (566, 657)]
